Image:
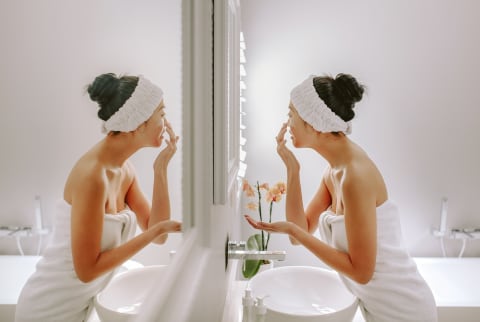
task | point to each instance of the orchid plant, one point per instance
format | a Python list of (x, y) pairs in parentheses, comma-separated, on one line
[(260, 241)]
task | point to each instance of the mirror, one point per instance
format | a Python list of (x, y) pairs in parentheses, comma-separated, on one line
[(52, 51)]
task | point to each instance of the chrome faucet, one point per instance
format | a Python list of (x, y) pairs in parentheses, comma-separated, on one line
[(238, 250), (470, 233)]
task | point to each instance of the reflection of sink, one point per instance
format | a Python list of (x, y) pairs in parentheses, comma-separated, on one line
[(121, 299), (303, 294)]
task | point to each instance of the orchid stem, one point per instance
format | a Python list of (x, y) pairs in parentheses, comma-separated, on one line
[(260, 213), (269, 221)]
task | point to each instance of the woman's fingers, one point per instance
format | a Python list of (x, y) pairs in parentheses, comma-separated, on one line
[(275, 227), (172, 226), (283, 151), (171, 142), (259, 224), (281, 146), (281, 141), (281, 134), (287, 155), (168, 127), (177, 226), (252, 222), (171, 146)]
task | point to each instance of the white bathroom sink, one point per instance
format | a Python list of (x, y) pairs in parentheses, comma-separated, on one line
[(120, 301), (304, 294)]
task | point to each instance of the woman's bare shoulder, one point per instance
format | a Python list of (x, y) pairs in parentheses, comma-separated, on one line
[(86, 173), (363, 176)]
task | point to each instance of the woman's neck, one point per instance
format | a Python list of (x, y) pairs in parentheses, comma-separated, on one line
[(115, 149), (338, 149)]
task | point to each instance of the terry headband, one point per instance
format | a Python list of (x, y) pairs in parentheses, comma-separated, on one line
[(137, 109), (314, 111)]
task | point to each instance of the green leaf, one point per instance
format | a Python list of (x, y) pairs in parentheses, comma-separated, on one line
[(254, 242), (251, 266)]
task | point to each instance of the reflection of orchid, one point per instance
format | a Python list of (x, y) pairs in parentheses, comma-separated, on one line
[(258, 241), (247, 188), (252, 206)]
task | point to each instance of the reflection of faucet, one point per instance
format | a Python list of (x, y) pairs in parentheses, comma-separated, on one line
[(14, 230), (19, 232), (238, 250)]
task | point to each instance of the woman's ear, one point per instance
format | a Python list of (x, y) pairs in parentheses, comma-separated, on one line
[(141, 127), (308, 128)]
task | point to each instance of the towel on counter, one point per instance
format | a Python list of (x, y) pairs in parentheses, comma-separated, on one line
[(397, 291), (54, 292)]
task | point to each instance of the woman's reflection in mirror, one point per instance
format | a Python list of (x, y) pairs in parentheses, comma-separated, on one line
[(96, 220)]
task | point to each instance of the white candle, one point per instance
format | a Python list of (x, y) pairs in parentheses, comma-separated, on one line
[(443, 215), (38, 213)]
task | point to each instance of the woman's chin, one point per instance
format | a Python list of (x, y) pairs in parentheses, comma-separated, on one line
[(159, 142), (294, 142)]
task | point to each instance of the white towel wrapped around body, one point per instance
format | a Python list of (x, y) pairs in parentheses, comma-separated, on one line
[(54, 292), (397, 291)]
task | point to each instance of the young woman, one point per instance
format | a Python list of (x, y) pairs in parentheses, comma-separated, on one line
[(359, 224), (102, 204)]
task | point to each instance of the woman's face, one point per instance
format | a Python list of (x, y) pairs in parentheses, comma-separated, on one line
[(296, 126), (155, 125)]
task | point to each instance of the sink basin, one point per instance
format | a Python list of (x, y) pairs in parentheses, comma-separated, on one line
[(304, 294), (120, 301)]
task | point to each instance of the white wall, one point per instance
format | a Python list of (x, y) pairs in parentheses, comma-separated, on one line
[(50, 51), (418, 119)]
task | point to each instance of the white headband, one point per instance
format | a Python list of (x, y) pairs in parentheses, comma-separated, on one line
[(137, 109), (314, 111)]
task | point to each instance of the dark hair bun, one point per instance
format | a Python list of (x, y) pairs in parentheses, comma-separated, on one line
[(347, 89), (339, 93), (111, 92), (103, 88)]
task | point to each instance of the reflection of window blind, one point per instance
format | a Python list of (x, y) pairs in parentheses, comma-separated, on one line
[(243, 87)]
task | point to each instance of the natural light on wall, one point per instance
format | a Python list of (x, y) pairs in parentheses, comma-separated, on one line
[(243, 166)]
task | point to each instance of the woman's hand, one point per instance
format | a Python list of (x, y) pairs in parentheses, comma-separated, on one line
[(285, 154), (166, 227), (164, 157), (284, 227)]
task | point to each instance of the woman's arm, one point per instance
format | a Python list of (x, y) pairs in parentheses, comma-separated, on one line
[(91, 263), (160, 209), (88, 211), (138, 202), (136, 199), (319, 203), (336, 259), (103, 262), (160, 199), (360, 222), (294, 210), (359, 209)]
